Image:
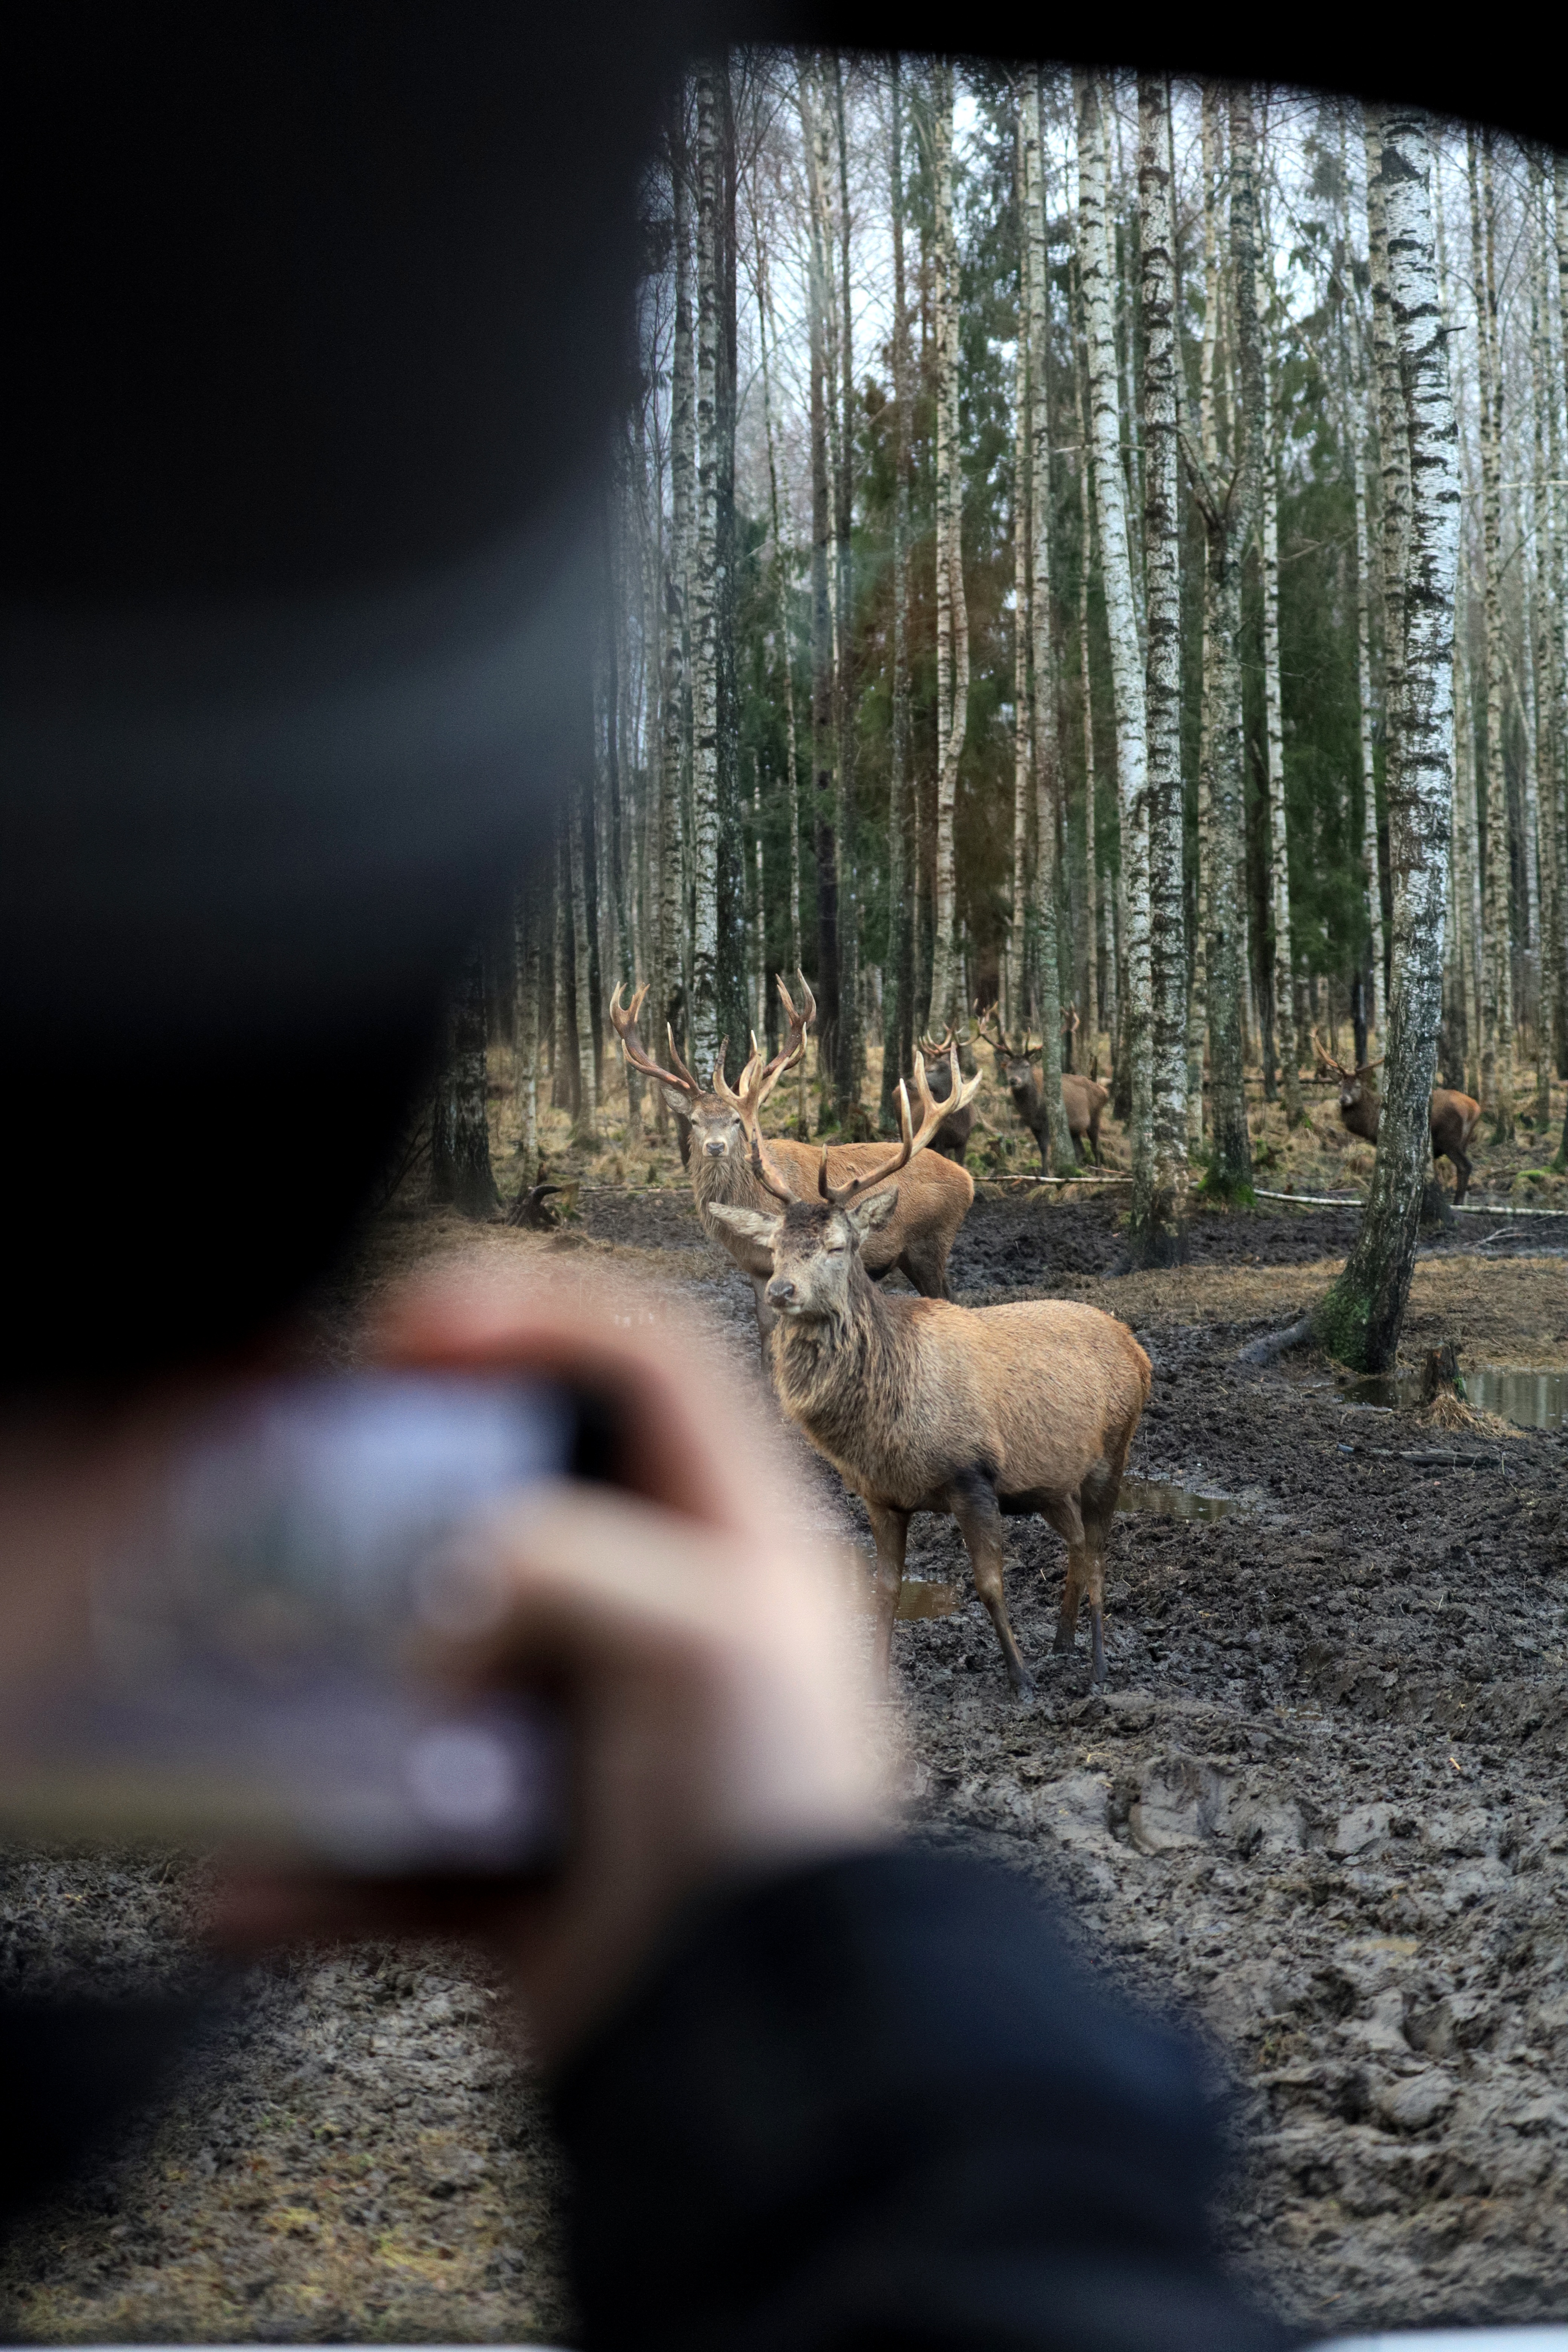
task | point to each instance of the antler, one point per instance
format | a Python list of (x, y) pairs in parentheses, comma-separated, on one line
[(997, 1041), (759, 1079), (935, 1047), (933, 1113), (1329, 1062), (623, 1020), (765, 1176)]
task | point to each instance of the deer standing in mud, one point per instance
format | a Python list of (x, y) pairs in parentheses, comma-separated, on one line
[(1453, 1116), (980, 1413), (1083, 1100), (722, 1119)]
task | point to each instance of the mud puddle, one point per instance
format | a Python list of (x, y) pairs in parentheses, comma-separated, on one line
[(1530, 1396), (1174, 1502)]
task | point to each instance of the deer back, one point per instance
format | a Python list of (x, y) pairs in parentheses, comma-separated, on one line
[(1455, 1118)]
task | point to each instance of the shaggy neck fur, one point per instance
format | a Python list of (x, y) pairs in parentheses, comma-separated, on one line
[(842, 1374), (728, 1181)]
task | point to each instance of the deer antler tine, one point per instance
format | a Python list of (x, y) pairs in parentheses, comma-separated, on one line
[(759, 1170), (824, 1187), (623, 1021)]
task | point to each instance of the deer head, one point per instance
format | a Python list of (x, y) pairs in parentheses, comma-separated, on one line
[(719, 1113), (1354, 1087), (816, 1244), (1012, 1065)]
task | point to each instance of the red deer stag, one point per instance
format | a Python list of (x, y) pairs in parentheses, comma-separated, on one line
[(1455, 1116), (917, 1241), (1083, 1100), (922, 1406), (951, 1137)]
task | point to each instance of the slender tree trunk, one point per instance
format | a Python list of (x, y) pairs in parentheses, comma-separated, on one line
[(897, 1029), (848, 1057), (1090, 908), (822, 743), (1542, 701), (1557, 815), (952, 621), (1467, 876), (1014, 956), (1371, 884), (1127, 679), (703, 1011), (585, 1121), (564, 1091), (1209, 434), (765, 335), (1160, 1181), (1229, 505), (1497, 1055), (731, 992), (1274, 746), (676, 760), (1047, 766), (610, 765), (526, 1032), (1361, 1318), (460, 1172)]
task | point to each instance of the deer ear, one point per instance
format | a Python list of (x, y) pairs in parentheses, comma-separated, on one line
[(874, 1211), (680, 1104), (749, 1223)]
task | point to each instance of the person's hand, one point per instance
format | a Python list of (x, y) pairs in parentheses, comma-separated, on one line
[(695, 1643)]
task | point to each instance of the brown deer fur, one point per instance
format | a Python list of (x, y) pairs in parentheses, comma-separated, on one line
[(1083, 1100), (1453, 1116), (975, 1412)]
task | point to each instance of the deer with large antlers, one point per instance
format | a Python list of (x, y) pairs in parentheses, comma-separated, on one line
[(1455, 1116), (722, 1119), (1083, 1100), (981, 1413)]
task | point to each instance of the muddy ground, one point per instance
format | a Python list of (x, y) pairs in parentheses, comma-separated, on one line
[(1320, 1816)]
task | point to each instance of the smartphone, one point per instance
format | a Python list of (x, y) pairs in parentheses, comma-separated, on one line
[(256, 1664)]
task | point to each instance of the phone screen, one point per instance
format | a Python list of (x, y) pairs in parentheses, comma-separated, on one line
[(255, 1669)]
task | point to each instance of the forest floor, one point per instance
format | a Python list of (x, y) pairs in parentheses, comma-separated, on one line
[(1319, 1816)]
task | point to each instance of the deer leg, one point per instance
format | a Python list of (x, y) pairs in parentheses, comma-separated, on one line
[(1065, 1516), (972, 1499), (1461, 1173), (890, 1533), (926, 1266)]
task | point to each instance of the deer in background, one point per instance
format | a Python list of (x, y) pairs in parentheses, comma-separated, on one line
[(1453, 1116), (1083, 1100), (951, 1137), (980, 1413), (722, 1119)]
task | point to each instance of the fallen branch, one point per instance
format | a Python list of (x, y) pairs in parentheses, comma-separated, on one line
[(1056, 1179), (1358, 1200), (1275, 1344), (1426, 1457)]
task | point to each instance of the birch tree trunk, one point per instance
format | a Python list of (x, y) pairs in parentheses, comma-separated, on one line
[(704, 1006), (1228, 501), (1370, 883), (898, 1002), (1208, 443), (1558, 795), (1160, 1178), (952, 620), (1466, 876), (848, 1054), (1090, 846), (765, 335), (1496, 1013), (676, 763), (1013, 958), (563, 1092), (1543, 497), (1274, 752), (1361, 1318), (1047, 743), (822, 742), (730, 855)]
